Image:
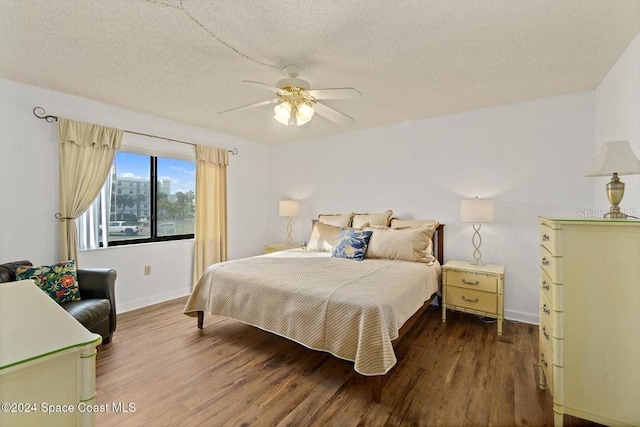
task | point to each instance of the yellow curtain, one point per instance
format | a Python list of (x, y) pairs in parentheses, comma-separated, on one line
[(86, 156), (211, 208)]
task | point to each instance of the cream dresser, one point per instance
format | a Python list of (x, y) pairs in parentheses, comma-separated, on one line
[(589, 350), (476, 289), (47, 361)]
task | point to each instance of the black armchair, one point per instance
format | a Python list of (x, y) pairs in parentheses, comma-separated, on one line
[(96, 309)]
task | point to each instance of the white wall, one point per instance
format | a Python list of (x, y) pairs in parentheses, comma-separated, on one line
[(530, 158), (29, 188), (618, 117)]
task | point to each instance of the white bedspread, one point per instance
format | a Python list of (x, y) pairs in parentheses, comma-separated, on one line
[(351, 309)]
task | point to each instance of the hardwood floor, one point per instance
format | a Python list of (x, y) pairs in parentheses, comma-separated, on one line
[(458, 373)]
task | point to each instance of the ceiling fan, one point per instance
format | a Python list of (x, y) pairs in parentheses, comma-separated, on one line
[(296, 103)]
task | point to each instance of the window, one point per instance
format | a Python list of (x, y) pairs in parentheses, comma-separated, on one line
[(158, 204)]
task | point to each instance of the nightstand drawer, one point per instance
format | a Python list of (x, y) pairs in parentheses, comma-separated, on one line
[(471, 280), (471, 299)]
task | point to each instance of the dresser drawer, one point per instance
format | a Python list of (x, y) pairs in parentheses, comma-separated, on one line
[(546, 330), (471, 280), (553, 291), (473, 300), (546, 285), (549, 238), (545, 360), (546, 309), (551, 265)]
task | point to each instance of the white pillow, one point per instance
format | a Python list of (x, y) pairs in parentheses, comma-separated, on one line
[(432, 223), (373, 219), (324, 237), (337, 220), (404, 244)]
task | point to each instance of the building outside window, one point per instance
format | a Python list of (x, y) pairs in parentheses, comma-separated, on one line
[(149, 199)]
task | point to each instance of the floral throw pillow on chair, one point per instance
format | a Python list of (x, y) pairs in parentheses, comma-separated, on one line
[(59, 280)]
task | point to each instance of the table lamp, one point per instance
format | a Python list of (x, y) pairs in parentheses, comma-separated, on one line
[(617, 158), (477, 211), (289, 208)]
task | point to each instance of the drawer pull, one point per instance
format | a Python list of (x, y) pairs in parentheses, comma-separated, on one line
[(545, 261), (469, 282), (470, 300), (545, 333), (545, 285), (545, 237), (546, 309), (542, 361)]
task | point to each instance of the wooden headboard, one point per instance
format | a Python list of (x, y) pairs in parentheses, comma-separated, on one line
[(438, 242)]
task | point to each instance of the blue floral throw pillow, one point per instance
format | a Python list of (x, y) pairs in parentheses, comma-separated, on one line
[(352, 244), (59, 280)]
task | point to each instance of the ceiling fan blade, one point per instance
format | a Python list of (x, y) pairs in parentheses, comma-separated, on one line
[(251, 106), (335, 93), (271, 88), (333, 114)]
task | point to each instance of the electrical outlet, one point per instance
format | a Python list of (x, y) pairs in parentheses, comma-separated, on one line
[(147, 270)]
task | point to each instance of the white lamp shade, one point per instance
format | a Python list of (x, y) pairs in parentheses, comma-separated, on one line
[(615, 157), (476, 210), (289, 208)]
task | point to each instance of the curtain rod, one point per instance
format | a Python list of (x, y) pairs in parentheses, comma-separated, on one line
[(41, 114)]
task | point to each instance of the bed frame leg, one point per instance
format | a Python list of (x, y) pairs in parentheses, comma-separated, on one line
[(376, 388), (200, 319)]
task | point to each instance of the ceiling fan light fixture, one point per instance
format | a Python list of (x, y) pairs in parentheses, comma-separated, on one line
[(282, 112), (296, 103), (293, 115)]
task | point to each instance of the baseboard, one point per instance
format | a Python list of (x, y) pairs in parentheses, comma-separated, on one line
[(523, 317), (155, 299)]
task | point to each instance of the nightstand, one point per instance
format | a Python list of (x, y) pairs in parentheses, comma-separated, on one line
[(475, 289), (275, 247)]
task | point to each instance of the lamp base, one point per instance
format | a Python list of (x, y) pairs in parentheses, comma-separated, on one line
[(615, 214), (476, 241), (615, 192), (289, 228)]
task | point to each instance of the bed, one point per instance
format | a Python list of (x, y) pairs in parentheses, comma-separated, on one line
[(355, 310)]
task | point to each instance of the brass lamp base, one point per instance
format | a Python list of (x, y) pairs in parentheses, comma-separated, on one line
[(615, 192), (476, 241), (289, 228), (613, 214)]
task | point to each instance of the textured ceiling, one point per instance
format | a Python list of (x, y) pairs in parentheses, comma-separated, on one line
[(184, 60)]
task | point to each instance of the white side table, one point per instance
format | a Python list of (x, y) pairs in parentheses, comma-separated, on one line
[(476, 289)]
